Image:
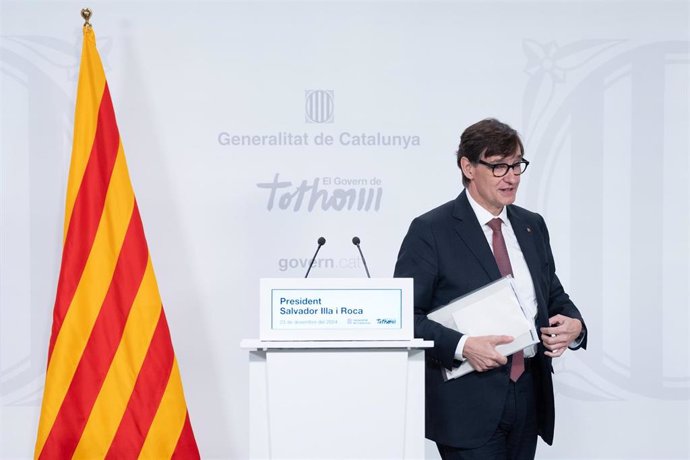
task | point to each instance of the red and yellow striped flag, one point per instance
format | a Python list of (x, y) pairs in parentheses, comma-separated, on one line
[(113, 388)]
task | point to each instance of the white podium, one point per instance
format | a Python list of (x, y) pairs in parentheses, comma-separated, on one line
[(352, 397)]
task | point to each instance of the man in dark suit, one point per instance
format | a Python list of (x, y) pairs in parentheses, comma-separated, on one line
[(498, 411)]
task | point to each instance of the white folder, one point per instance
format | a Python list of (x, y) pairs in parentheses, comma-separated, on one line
[(491, 310)]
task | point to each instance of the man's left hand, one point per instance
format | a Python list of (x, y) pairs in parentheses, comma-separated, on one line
[(561, 332)]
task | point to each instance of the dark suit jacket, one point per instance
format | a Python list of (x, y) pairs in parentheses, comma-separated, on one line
[(447, 254)]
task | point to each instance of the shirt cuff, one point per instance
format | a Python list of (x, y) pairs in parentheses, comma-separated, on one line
[(459, 349), (578, 340)]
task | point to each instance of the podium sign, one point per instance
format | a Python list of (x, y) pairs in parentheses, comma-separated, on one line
[(336, 309)]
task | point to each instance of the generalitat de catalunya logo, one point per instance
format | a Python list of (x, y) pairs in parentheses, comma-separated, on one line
[(319, 111), (319, 106)]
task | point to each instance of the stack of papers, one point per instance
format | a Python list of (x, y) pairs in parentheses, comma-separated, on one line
[(491, 310)]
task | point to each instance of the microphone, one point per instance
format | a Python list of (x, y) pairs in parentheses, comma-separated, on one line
[(356, 241), (321, 242)]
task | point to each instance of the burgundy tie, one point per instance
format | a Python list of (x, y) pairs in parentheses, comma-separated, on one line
[(503, 262)]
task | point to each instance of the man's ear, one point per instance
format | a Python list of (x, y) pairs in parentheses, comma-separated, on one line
[(467, 168)]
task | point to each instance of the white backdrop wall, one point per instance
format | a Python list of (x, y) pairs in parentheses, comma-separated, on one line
[(598, 89)]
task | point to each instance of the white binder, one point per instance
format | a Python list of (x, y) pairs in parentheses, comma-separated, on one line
[(491, 310)]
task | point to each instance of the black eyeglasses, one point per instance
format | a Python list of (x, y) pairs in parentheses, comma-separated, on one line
[(501, 169)]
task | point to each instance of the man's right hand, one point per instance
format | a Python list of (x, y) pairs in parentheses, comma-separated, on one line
[(481, 351)]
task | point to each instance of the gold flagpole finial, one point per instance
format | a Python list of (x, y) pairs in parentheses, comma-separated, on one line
[(86, 14)]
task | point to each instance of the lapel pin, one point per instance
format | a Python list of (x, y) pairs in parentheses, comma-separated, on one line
[(529, 229)]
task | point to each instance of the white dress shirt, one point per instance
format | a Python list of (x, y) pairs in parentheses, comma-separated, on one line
[(523, 279)]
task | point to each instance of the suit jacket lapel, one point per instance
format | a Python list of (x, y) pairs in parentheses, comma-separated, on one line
[(470, 231)]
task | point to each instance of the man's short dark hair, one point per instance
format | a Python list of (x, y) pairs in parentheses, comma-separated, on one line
[(488, 137)]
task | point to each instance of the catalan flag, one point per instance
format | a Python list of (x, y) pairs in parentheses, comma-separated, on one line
[(113, 386)]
